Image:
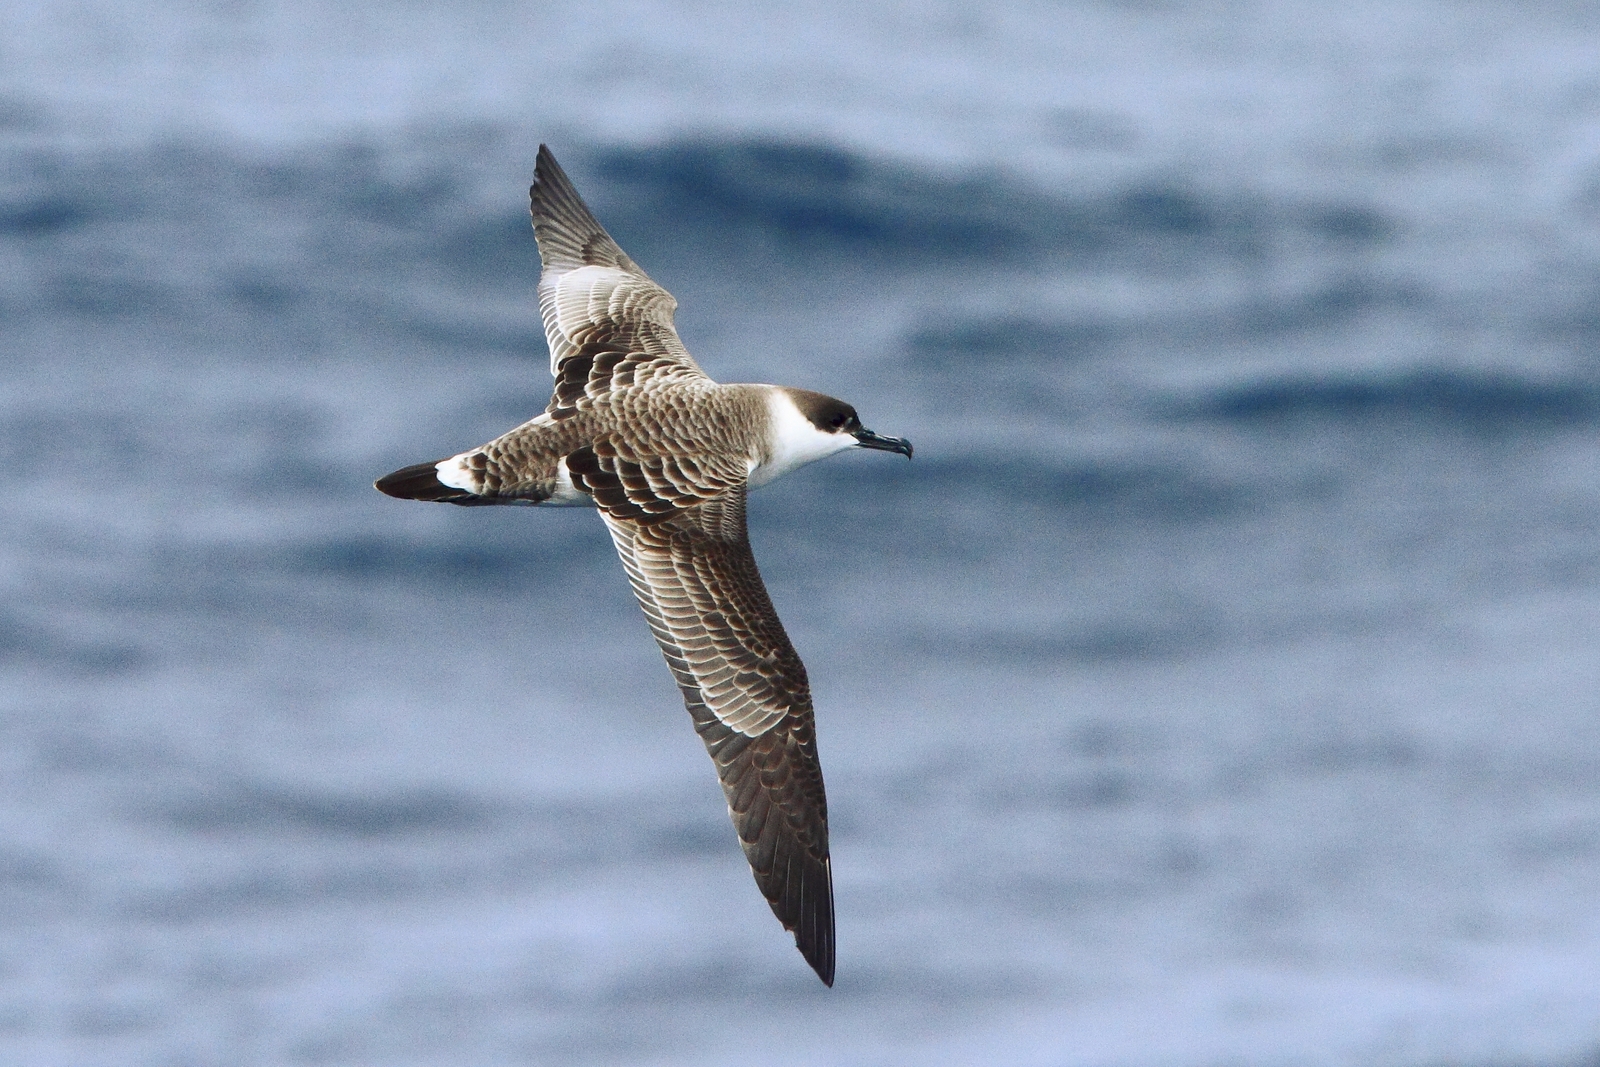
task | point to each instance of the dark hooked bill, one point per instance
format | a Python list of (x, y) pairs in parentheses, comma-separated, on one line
[(868, 439)]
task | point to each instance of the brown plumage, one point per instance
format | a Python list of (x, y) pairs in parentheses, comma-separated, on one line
[(636, 428)]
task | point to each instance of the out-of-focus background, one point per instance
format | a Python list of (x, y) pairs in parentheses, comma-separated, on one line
[(1219, 685)]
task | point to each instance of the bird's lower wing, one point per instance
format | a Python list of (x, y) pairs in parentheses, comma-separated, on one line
[(746, 690)]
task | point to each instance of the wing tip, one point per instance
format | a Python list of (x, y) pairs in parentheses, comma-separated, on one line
[(545, 170), (552, 197), (821, 960), (568, 232), (814, 930)]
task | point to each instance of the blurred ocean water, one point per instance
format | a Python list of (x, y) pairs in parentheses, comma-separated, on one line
[(1218, 685)]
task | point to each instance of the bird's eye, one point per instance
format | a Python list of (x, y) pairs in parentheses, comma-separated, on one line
[(837, 421)]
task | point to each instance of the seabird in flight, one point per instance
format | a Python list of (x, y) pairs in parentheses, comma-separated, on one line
[(637, 429)]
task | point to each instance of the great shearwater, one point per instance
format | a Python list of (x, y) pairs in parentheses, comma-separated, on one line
[(637, 429)]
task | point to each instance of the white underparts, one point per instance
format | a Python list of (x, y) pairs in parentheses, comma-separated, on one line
[(793, 440)]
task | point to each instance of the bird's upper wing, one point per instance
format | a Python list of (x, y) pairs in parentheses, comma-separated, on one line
[(747, 692), (608, 325)]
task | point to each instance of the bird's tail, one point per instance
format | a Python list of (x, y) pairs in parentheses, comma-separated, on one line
[(420, 481)]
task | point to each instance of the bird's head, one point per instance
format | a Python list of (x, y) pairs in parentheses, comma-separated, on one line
[(807, 426)]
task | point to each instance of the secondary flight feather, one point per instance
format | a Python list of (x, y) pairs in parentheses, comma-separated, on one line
[(636, 429)]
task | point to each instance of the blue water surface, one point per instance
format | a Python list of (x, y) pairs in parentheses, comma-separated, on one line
[(1218, 685)]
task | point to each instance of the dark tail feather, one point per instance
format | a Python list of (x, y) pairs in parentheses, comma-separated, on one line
[(421, 482)]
